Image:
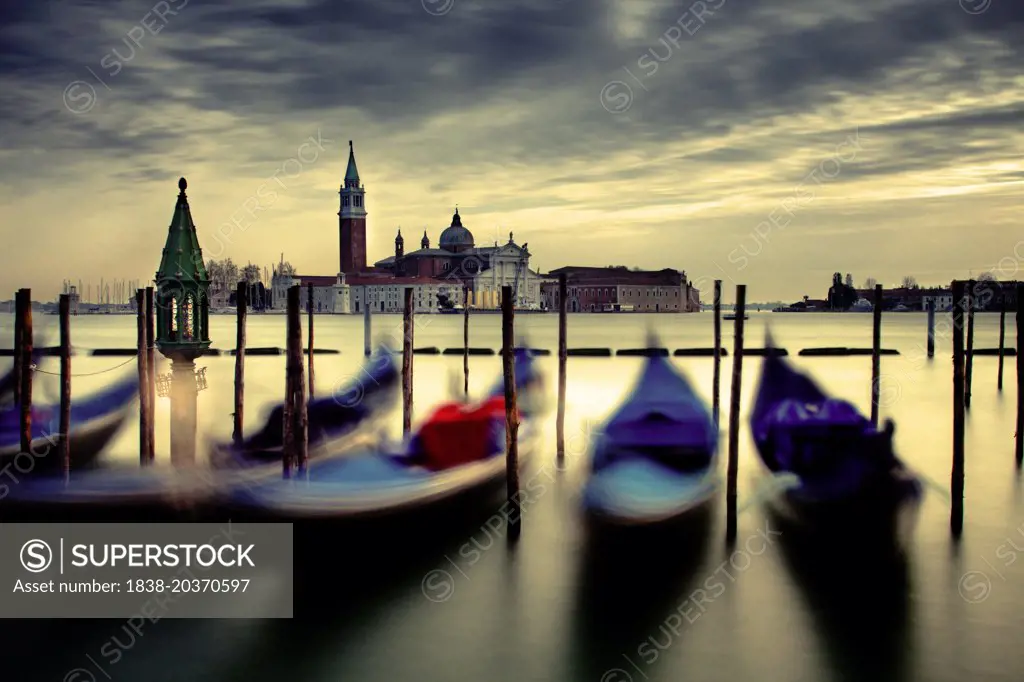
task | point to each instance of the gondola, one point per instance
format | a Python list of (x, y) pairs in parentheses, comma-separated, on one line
[(8, 380), (113, 492), (94, 422), (248, 490), (333, 420), (455, 457), (840, 474), (530, 387), (655, 460)]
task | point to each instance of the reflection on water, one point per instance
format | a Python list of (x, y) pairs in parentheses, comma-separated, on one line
[(858, 596), (567, 606), (635, 592)]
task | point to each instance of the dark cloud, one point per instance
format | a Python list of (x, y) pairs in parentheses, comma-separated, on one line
[(395, 63), (506, 96)]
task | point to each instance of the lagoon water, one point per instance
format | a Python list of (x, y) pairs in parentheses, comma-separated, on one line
[(532, 613)]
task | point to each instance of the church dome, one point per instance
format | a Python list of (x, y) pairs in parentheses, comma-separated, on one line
[(456, 237)]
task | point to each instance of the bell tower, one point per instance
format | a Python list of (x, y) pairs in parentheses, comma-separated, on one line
[(399, 253), (352, 219)]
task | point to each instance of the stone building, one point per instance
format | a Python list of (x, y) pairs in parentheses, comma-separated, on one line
[(619, 289), (387, 294), (455, 263), (988, 295), (460, 262), (331, 295)]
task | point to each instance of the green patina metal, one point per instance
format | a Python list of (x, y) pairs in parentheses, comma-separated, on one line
[(351, 174), (182, 288)]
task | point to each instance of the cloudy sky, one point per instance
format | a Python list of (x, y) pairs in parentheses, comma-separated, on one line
[(769, 143)]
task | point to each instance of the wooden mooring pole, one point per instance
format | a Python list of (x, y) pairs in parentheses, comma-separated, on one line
[(407, 340), (562, 357), (969, 358), (26, 370), (151, 372), (143, 362), (876, 355), (241, 310), (19, 359), (309, 302), (64, 311), (716, 381), (465, 343), (367, 323), (300, 416), (1019, 441), (734, 413), (296, 426), (511, 410), (1002, 342), (956, 515), (931, 328)]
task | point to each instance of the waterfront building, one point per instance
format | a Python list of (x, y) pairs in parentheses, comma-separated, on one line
[(619, 289), (456, 263), (331, 295), (943, 300), (387, 294), (988, 295), (912, 298), (461, 263), (991, 294)]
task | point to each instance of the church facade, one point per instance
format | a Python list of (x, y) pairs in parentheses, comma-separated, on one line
[(458, 261), (457, 270)]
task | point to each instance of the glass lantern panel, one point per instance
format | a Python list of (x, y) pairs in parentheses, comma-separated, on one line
[(189, 317)]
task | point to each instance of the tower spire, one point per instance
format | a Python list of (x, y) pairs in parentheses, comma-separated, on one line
[(352, 219), (351, 173), (182, 258)]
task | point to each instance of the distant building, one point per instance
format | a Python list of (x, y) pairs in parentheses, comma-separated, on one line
[(988, 295), (387, 294), (456, 263), (220, 295), (913, 298), (330, 294), (461, 263), (942, 299), (619, 289)]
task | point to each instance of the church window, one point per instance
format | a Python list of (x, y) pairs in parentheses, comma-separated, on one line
[(358, 201), (344, 201)]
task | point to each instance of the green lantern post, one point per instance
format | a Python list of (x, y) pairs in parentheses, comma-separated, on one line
[(182, 324)]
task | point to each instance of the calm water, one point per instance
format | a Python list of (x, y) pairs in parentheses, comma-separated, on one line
[(531, 614)]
